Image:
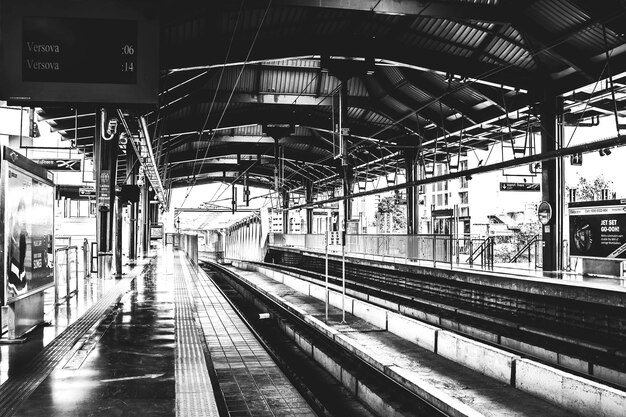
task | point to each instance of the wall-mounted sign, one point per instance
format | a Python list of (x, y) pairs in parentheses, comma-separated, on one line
[(544, 213), (104, 196), (519, 186), (576, 159), (598, 229), (59, 164)]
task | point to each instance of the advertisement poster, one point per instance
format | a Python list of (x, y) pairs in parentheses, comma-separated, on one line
[(598, 231), (28, 229)]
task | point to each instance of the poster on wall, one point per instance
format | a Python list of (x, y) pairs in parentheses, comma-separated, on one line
[(29, 226), (598, 229)]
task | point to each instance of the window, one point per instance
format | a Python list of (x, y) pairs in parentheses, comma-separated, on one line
[(463, 197)]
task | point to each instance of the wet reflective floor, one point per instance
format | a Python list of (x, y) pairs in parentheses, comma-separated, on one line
[(145, 348), (13, 357), (124, 367)]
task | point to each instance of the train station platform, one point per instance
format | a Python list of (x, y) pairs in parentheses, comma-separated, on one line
[(167, 339), (160, 341)]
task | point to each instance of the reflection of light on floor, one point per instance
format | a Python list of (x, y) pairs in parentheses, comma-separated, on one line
[(71, 387)]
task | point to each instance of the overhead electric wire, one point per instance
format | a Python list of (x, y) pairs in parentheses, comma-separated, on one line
[(256, 35), (206, 120)]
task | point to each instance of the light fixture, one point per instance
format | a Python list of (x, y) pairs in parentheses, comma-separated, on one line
[(601, 152), (607, 151), (468, 177)]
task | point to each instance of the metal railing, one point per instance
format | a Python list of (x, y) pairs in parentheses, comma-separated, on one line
[(531, 247), (63, 282), (473, 250), (425, 247), (483, 251)]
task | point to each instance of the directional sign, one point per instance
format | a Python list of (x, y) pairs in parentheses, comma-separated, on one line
[(87, 191), (519, 186), (59, 164)]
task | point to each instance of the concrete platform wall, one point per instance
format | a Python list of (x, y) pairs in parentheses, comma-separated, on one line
[(566, 390)]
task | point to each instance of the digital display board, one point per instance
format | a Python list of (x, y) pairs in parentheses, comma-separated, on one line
[(96, 51), (76, 50), (29, 228), (598, 229)]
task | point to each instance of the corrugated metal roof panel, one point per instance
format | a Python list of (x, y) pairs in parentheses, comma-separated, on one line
[(393, 74), (288, 81), (507, 48), (394, 106), (356, 87), (416, 94), (556, 16)]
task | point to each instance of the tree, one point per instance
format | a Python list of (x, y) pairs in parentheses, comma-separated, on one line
[(592, 190), (389, 206)]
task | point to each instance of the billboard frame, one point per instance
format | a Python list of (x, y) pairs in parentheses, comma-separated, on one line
[(596, 208), (17, 162)]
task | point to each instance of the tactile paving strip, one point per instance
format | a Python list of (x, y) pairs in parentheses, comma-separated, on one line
[(251, 383), (19, 387), (194, 392)]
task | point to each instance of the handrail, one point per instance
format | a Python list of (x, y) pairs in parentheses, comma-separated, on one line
[(485, 248), (523, 249)]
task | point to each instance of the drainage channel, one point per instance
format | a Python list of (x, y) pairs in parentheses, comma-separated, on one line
[(362, 390)]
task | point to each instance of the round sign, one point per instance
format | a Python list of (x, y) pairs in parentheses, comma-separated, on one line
[(544, 212)]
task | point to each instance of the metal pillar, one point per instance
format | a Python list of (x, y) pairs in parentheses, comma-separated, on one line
[(552, 179), (308, 196), (105, 173), (285, 197), (412, 193), (133, 166), (118, 238), (145, 218)]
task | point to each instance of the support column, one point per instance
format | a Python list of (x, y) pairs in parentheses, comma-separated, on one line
[(145, 218), (132, 165), (308, 196), (551, 179), (285, 203), (105, 167), (412, 193), (118, 238)]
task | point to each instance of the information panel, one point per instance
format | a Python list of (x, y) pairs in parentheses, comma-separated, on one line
[(29, 227), (597, 230), (96, 51), (79, 50)]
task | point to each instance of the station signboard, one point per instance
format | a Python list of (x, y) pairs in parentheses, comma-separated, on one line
[(519, 186), (97, 51), (598, 229), (59, 164)]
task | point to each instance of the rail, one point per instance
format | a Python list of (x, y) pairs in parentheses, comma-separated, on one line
[(63, 271)]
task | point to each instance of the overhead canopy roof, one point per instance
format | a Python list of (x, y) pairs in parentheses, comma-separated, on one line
[(439, 77)]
